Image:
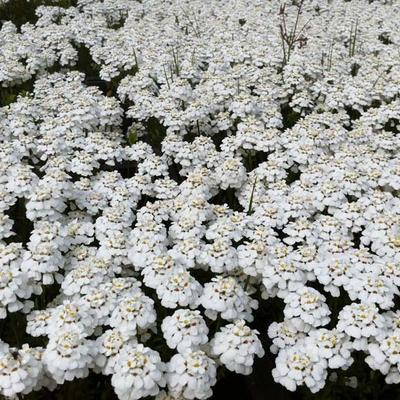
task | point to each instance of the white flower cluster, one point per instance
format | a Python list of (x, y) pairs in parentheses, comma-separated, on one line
[(236, 344), (172, 167)]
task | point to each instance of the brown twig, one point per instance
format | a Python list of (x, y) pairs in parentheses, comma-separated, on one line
[(290, 38)]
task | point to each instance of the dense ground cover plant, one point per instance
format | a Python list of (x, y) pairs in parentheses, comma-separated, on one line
[(186, 187)]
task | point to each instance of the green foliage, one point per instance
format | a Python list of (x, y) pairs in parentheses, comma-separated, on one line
[(250, 209), (132, 137)]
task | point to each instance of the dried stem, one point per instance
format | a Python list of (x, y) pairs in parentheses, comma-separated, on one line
[(290, 38)]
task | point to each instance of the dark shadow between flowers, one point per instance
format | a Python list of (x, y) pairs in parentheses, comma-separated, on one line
[(227, 196)]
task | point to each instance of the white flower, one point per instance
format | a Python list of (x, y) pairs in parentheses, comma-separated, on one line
[(38, 322), (185, 329), (372, 288), (219, 256), (284, 334), (185, 252), (300, 365), (120, 288), (42, 262), (179, 288), (333, 345), (99, 305), (6, 224), (282, 274), (68, 355), (226, 296), (77, 232), (138, 372), (158, 269), (308, 306), (191, 375), (361, 322), (45, 201), (87, 275), (20, 371), (163, 395), (15, 284), (109, 345), (68, 315), (133, 312), (187, 226), (251, 257), (334, 273), (252, 171), (385, 354), (236, 345)]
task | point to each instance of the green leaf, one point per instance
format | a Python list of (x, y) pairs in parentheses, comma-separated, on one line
[(132, 137), (250, 209)]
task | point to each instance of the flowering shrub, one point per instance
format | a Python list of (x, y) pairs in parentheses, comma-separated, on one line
[(173, 171)]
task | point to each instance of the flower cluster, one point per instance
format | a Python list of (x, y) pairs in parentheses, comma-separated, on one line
[(168, 169)]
